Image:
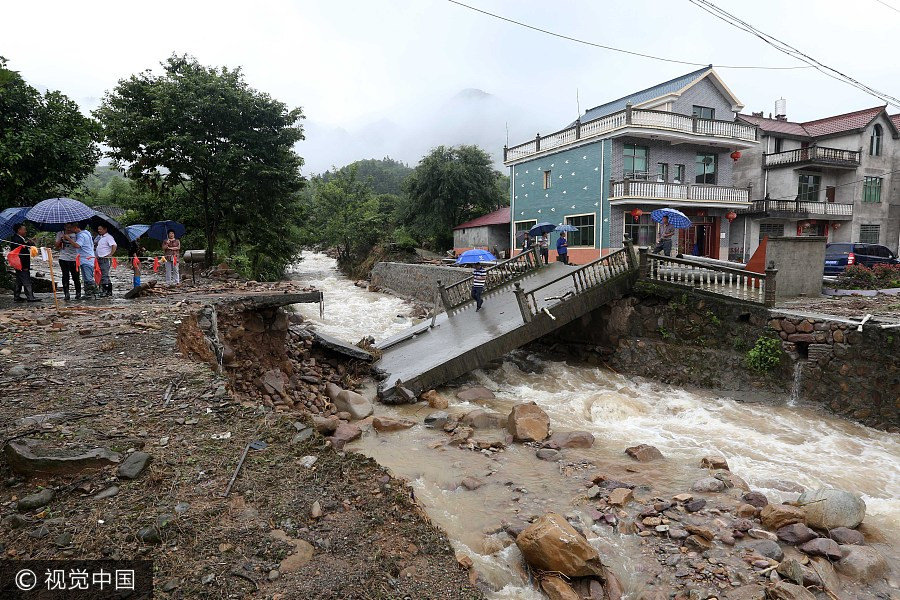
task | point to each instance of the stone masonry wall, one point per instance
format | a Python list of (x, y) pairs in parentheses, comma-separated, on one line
[(418, 282)]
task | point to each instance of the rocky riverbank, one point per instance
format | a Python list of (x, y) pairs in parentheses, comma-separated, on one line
[(717, 539), (124, 423)]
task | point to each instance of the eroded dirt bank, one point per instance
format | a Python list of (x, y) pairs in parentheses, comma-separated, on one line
[(302, 521)]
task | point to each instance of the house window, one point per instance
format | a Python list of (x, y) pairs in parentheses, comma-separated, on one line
[(641, 230), (635, 162), (808, 188), (704, 112), (548, 180), (771, 230), (679, 174), (779, 144), (662, 172), (706, 168), (585, 234), (875, 141), (869, 234), (872, 189)]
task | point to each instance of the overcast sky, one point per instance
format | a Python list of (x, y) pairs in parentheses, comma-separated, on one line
[(396, 77)]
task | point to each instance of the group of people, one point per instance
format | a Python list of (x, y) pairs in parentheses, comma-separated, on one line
[(80, 255), (543, 243)]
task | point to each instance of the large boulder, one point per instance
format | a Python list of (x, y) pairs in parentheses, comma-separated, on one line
[(387, 424), (796, 533), (822, 547), (644, 453), (434, 399), (829, 508), (551, 544), (862, 563), (346, 432), (528, 423), (844, 535), (570, 439), (484, 419), (353, 403), (557, 589), (776, 516), (475, 394)]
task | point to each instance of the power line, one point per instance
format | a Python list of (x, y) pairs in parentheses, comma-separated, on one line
[(888, 5), (793, 52), (854, 182), (611, 48)]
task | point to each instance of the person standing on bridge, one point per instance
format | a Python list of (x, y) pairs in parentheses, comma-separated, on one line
[(545, 248), (666, 234), (479, 278), (562, 248)]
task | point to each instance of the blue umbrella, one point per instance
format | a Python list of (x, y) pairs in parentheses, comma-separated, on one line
[(566, 227), (677, 219), (160, 230), (10, 217), (136, 231), (541, 229), (53, 213), (471, 257)]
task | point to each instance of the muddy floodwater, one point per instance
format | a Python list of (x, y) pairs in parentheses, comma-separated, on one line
[(776, 449)]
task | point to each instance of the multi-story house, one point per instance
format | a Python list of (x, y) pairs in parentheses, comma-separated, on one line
[(673, 145), (830, 177)]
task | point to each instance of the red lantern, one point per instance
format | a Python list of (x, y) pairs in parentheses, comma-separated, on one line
[(735, 155), (836, 225), (636, 213), (731, 216), (701, 213)]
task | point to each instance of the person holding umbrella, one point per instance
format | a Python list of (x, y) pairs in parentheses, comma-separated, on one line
[(666, 233), (562, 248), (479, 278), (82, 241), (23, 275), (67, 255)]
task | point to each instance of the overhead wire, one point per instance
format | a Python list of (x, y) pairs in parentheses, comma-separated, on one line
[(789, 50), (888, 5), (614, 49)]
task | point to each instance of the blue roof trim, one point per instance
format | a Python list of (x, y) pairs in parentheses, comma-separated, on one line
[(661, 89)]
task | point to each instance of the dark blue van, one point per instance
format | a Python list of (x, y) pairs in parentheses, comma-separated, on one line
[(839, 256)]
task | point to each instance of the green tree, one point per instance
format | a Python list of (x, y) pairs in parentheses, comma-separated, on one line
[(449, 186), (227, 147), (344, 215), (385, 176), (47, 147)]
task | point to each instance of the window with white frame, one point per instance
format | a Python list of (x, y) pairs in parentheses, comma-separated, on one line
[(869, 234), (584, 234), (808, 188)]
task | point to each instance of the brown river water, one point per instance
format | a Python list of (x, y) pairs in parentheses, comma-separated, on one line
[(776, 449)]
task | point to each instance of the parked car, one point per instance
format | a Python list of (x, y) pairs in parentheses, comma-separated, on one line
[(841, 255)]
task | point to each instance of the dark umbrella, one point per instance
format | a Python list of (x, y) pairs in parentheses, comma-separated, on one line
[(10, 217), (116, 212), (541, 229), (115, 229), (53, 213), (136, 231), (160, 230)]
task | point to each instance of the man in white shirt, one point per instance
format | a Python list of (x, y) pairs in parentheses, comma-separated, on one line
[(105, 248)]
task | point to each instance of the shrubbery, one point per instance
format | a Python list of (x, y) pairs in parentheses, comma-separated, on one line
[(764, 355), (860, 277)]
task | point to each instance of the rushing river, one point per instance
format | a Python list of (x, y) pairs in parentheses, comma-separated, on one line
[(774, 448)]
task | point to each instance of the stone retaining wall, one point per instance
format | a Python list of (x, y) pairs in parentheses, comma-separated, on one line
[(418, 282)]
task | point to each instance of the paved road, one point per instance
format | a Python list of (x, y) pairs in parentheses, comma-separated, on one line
[(465, 329)]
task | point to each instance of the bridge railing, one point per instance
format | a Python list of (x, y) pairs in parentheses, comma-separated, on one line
[(741, 284), (581, 279), (459, 293)]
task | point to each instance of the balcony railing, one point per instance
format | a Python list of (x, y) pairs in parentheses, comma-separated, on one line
[(813, 154), (801, 207), (678, 191), (647, 119)]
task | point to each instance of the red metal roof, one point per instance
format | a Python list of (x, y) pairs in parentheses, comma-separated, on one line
[(498, 217), (819, 127), (776, 126), (846, 122)]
